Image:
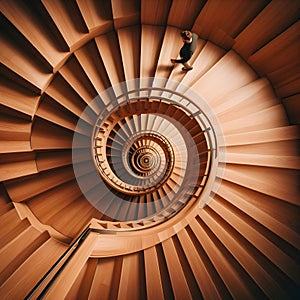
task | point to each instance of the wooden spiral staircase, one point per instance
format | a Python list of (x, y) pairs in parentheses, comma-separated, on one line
[(242, 242)]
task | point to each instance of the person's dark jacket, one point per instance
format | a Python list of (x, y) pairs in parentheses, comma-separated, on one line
[(188, 49)]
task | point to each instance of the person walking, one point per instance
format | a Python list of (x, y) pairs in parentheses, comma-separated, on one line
[(190, 43)]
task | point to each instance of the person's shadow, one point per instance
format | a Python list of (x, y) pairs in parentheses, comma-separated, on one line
[(165, 68)]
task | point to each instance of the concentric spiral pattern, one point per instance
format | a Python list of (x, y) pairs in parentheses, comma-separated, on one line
[(155, 153), (147, 160), (149, 151), (146, 153)]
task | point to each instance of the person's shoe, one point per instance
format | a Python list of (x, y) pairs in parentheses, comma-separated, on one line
[(187, 69)]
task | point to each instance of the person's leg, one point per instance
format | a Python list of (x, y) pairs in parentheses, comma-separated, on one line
[(187, 66)]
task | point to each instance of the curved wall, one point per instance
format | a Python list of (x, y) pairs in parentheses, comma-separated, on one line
[(57, 57)]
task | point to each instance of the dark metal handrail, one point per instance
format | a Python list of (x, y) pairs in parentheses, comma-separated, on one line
[(76, 243)]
